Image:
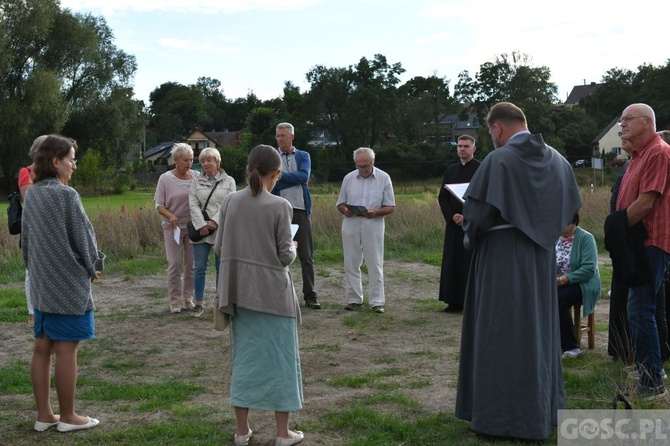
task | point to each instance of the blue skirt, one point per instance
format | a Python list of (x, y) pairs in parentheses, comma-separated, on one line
[(266, 362), (64, 327)]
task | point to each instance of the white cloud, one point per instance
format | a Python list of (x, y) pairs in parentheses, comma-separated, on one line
[(172, 43), (440, 37)]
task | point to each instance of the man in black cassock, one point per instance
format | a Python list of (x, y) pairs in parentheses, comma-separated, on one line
[(455, 259)]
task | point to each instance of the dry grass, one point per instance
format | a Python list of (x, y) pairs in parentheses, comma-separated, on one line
[(595, 209), (417, 223), (126, 233)]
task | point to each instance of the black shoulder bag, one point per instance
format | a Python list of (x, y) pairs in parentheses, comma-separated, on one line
[(194, 234), (14, 212)]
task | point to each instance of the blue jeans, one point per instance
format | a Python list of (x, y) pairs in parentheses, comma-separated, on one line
[(201, 257), (642, 319)]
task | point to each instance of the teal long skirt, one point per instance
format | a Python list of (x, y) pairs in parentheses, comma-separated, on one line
[(266, 362)]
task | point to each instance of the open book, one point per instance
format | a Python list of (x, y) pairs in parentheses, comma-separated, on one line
[(457, 190), (357, 210)]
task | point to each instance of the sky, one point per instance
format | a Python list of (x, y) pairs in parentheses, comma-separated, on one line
[(258, 45)]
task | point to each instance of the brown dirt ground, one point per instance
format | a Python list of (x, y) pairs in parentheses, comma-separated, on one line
[(132, 324)]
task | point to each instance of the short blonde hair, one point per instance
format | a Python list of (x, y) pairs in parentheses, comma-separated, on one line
[(179, 150), (210, 152), (36, 145)]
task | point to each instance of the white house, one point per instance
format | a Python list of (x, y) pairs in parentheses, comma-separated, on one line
[(609, 140)]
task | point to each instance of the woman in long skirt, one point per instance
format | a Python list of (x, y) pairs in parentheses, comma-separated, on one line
[(255, 290)]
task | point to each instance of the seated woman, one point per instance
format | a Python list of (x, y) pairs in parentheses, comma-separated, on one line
[(578, 280)]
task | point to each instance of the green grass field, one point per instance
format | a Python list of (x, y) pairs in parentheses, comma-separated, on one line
[(384, 413)]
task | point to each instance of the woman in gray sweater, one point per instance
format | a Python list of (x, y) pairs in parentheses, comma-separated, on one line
[(60, 253), (255, 289)]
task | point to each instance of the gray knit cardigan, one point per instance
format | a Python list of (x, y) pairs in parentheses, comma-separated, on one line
[(59, 249)]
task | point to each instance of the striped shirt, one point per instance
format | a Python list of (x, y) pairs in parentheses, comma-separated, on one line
[(649, 171)]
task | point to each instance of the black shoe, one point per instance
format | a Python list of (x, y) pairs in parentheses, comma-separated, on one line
[(451, 308), (197, 311), (644, 393), (652, 393), (353, 307), (312, 303)]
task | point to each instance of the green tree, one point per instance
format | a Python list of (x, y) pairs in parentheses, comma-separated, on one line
[(327, 99), (622, 87), (609, 100), (575, 132), (30, 99), (422, 103), (259, 128), (113, 124), (90, 171), (234, 162), (355, 105), (176, 110), (373, 100), (216, 104), (513, 78), (239, 109), (56, 64)]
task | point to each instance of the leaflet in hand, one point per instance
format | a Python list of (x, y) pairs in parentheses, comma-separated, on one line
[(357, 210), (457, 190)]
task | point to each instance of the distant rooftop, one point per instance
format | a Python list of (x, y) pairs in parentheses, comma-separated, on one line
[(580, 92)]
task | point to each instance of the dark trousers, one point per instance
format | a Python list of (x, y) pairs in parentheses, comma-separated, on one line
[(662, 322), (305, 251), (666, 284), (619, 340), (568, 297), (642, 318)]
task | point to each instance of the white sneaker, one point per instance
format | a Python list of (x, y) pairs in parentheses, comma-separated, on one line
[(574, 353), (634, 374)]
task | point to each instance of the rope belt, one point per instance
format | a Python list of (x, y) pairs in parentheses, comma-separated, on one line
[(495, 228)]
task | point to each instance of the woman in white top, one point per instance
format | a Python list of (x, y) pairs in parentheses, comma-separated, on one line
[(208, 189)]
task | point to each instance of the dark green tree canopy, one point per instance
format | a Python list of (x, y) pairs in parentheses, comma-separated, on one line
[(56, 66)]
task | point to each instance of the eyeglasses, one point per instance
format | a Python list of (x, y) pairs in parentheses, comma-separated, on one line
[(367, 166), (630, 118)]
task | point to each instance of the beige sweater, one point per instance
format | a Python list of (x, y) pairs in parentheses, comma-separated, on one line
[(255, 246)]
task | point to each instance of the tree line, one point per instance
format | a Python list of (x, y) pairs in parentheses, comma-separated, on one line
[(61, 72)]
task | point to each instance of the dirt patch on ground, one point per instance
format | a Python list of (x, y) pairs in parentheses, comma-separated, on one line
[(137, 341)]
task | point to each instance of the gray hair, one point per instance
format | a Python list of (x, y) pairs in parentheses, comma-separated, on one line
[(665, 135), (286, 125), (36, 145), (210, 152), (180, 149), (366, 150)]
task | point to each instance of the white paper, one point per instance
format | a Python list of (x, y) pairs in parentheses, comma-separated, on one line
[(294, 230), (177, 232), (457, 189)]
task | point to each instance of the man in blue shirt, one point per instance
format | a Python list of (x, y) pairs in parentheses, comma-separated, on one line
[(296, 168)]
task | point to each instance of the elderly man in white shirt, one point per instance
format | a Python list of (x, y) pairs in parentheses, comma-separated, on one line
[(363, 229)]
